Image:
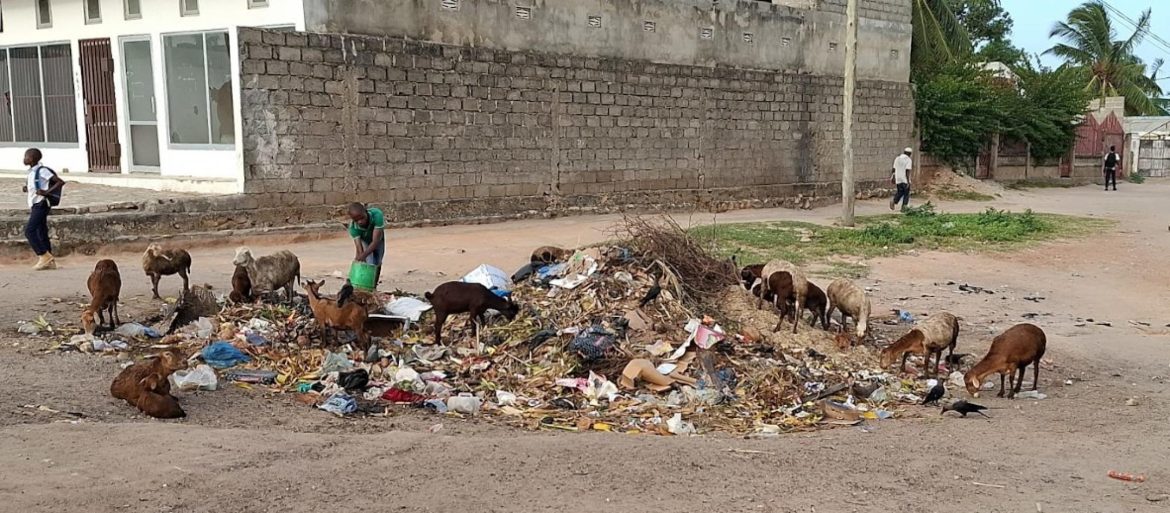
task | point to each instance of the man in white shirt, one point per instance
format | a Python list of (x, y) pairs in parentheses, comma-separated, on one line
[(43, 190), (901, 178)]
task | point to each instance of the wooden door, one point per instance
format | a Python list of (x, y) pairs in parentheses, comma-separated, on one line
[(101, 111)]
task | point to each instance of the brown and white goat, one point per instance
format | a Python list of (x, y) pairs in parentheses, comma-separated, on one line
[(105, 285), (145, 386), (799, 287), (270, 272), (351, 315), (929, 338), (1011, 351), (852, 301), (158, 262), (456, 297)]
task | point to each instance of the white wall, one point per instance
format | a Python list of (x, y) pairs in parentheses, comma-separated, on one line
[(159, 17)]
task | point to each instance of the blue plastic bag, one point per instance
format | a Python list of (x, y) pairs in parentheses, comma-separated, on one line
[(340, 404), (222, 355)]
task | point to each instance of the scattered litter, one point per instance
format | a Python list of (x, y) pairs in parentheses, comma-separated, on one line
[(408, 307), (1131, 402), (905, 316), (1126, 476), (135, 330), (257, 377), (676, 425), (202, 377), (504, 398), (222, 355), (1032, 394), (203, 327), (113, 345), (490, 277), (339, 404), (335, 362), (659, 348), (464, 403)]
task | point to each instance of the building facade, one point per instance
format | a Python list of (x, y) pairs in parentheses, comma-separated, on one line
[(128, 86)]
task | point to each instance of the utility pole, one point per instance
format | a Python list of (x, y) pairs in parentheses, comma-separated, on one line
[(847, 194)]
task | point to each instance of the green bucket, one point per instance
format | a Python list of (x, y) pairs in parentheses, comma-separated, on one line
[(362, 275)]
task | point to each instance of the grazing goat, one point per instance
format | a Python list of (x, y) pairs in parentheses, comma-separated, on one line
[(799, 286), (144, 385), (158, 262), (241, 286), (1011, 351), (932, 335), (851, 300), (816, 303), (105, 285), (456, 297), (549, 255), (329, 315), (270, 272)]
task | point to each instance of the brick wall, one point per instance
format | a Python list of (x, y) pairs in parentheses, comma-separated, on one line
[(445, 131)]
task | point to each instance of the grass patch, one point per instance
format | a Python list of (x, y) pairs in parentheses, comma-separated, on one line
[(1136, 178), (951, 194), (886, 235), (1041, 184)]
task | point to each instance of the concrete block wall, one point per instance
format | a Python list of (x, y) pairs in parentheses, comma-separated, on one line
[(453, 131)]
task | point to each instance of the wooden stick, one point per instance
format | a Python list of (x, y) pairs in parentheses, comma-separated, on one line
[(977, 483)]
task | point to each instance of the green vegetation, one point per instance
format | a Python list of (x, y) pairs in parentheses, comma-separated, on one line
[(1136, 178), (875, 236), (952, 194), (1041, 184)]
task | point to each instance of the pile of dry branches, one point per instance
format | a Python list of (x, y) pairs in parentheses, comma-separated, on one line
[(661, 239)]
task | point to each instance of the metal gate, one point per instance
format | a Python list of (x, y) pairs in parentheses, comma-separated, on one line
[(101, 112)]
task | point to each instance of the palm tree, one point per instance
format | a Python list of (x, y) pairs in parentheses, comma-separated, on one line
[(1108, 64), (938, 37)]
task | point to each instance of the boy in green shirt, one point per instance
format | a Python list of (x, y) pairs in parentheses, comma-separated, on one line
[(368, 232)]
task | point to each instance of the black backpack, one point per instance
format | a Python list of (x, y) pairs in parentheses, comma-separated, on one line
[(54, 198)]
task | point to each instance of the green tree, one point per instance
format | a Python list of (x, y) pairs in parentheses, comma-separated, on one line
[(1046, 109), (1108, 65), (989, 28), (938, 37)]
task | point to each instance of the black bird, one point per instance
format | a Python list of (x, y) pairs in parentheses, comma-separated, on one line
[(345, 293), (651, 294), (964, 407), (936, 392)]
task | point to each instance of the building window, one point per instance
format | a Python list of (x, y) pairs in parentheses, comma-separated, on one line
[(39, 105), (93, 11), (252, 4), (189, 7), (44, 14), (133, 9), (199, 89)]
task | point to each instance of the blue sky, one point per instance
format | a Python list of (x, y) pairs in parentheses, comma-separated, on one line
[(1034, 19)]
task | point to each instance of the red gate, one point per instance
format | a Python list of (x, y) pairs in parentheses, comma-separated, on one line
[(101, 111)]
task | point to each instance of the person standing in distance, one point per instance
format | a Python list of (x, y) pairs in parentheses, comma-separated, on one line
[(901, 178), (1112, 162), (43, 188)]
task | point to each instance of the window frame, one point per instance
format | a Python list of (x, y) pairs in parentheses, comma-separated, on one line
[(14, 143), (89, 19), (41, 23), (184, 9), (126, 10), (166, 91)]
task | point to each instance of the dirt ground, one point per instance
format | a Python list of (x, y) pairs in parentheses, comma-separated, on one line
[(242, 451)]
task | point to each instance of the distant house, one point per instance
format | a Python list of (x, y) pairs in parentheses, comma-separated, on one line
[(129, 86), (1148, 142)]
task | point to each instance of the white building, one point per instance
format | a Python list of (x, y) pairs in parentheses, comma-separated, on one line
[(136, 92)]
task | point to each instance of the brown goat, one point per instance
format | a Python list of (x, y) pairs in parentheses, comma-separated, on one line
[(816, 303), (105, 285), (241, 286), (799, 286), (851, 300), (549, 254), (351, 315), (456, 297), (158, 262), (145, 386), (929, 338), (1011, 351)]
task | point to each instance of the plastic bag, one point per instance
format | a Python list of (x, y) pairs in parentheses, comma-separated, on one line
[(339, 404), (409, 307), (203, 327), (464, 403), (202, 377), (490, 277), (335, 362), (135, 330), (261, 377), (222, 355), (592, 344)]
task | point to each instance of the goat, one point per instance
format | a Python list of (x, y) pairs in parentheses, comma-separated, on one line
[(549, 255), (327, 312), (145, 386), (158, 262), (932, 335), (1011, 351), (456, 297), (851, 300), (799, 286), (105, 285), (270, 272), (241, 286), (817, 304)]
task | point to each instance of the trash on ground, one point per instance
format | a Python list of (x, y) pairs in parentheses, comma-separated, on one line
[(339, 404), (222, 355), (135, 330), (202, 377), (1032, 394), (1126, 476), (259, 377)]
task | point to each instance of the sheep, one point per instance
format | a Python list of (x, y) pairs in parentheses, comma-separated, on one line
[(105, 285), (456, 297), (1013, 350), (932, 335), (145, 386), (241, 286), (158, 262), (799, 285), (270, 272), (549, 255), (851, 300), (352, 315)]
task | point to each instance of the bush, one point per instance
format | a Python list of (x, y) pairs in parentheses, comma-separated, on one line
[(1136, 178)]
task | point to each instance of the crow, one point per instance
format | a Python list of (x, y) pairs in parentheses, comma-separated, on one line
[(936, 392), (651, 294), (964, 407), (344, 294)]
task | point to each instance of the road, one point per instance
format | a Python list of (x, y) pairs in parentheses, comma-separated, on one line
[(244, 451)]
